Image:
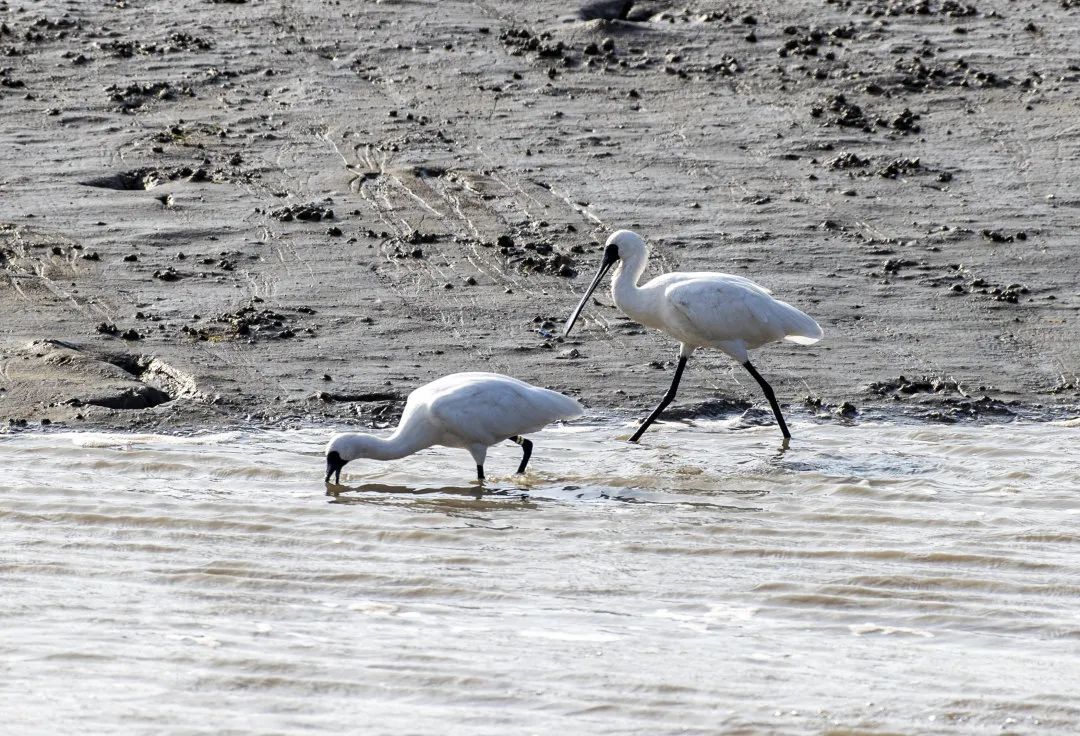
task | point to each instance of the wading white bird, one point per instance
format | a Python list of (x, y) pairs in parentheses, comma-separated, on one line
[(700, 310), (469, 410)]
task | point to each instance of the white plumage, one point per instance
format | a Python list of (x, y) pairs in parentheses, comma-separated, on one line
[(472, 411), (700, 309)]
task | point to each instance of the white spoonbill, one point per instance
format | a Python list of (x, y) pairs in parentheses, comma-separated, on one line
[(699, 309), (469, 410)]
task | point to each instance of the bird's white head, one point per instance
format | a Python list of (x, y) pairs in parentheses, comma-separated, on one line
[(623, 246), (344, 448), (629, 247)]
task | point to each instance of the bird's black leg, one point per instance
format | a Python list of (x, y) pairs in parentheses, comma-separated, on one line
[(526, 447), (668, 398), (767, 389), (479, 472)]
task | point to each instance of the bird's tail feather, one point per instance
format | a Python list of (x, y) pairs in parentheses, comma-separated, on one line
[(800, 328), (567, 407)]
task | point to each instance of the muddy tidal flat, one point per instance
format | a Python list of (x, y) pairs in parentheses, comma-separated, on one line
[(271, 212)]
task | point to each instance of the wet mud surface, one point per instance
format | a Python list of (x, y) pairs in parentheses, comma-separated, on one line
[(278, 212)]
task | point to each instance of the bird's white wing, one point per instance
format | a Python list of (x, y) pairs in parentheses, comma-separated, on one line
[(741, 280), (720, 310), (490, 410), (716, 310), (679, 277)]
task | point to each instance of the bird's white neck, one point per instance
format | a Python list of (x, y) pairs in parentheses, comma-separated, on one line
[(399, 444), (624, 286)]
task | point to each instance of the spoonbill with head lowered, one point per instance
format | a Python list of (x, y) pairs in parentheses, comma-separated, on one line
[(469, 410), (699, 309)]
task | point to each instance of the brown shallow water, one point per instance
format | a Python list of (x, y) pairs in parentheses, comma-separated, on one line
[(872, 579)]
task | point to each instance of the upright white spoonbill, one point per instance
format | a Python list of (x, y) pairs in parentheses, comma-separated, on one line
[(469, 410), (699, 309)]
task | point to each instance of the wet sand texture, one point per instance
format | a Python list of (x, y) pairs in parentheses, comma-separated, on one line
[(274, 210)]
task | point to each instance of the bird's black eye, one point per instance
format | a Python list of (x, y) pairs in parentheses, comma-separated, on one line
[(611, 253)]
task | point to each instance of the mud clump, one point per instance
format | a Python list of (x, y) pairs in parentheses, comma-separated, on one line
[(178, 41), (558, 264), (167, 274), (844, 113), (1008, 293), (839, 110), (148, 178), (893, 265), (806, 42), (251, 322), (190, 134), (538, 257), (997, 236), (310, 212), (519, 41), (915, 74), (955, 410), (418, 238), (108, 328), (906, 122), (848, 161), (907, 386), (900, 167), (859, 166), (942, 399), (896, 8), (136, 96)]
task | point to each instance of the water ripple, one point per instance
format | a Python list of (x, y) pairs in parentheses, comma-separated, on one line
[(869, 580)]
